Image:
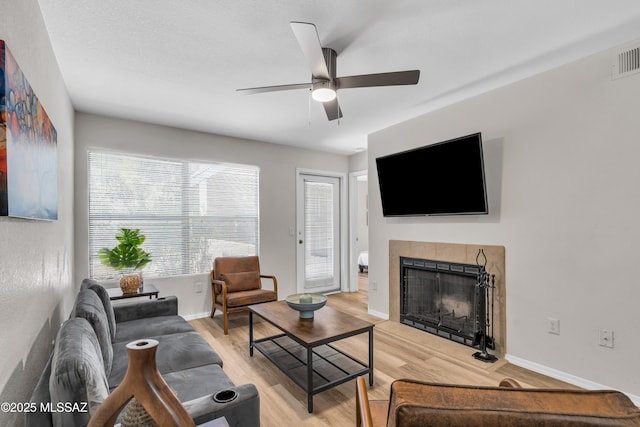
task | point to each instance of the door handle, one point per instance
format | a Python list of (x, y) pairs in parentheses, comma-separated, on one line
[(300, 241)]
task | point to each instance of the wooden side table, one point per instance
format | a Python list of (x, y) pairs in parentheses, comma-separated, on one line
[(145, 290)]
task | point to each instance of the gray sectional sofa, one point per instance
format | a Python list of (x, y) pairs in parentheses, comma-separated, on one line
[(90, 360)]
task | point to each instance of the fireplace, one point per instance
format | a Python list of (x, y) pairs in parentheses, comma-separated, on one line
[(462, 260), (442, 298)]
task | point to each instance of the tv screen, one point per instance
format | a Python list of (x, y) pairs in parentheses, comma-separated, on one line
[(446, 178)]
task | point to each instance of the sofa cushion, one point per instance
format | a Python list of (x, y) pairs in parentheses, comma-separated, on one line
[(175, 352), (89, 306), (240, 299), (77, 372), (153, 326), (106, 302), (244, 281), (145, 308)]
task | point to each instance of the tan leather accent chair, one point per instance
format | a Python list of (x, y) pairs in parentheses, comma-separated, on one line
[(420, 404), (236, 283)]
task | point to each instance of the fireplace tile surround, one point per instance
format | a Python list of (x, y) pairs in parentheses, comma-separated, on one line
[(454, 253)]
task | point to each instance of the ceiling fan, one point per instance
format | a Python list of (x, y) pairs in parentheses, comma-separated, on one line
[(324, 83)]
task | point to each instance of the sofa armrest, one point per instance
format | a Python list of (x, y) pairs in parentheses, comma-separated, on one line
[(244, 410), (142, 309)]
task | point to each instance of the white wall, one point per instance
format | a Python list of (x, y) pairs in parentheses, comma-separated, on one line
[(36, 257), (358, 162), (277, 164), (562, 155)]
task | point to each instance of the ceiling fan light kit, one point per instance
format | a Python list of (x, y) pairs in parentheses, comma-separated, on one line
[(322, 62), (323, 92)]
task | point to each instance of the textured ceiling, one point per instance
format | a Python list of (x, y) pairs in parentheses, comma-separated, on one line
[(179, 63)]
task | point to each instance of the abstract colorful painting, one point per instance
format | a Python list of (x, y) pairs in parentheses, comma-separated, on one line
[(28, 147)]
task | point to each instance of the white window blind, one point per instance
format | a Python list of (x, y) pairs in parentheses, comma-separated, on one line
[(318, 211), (189, 212)]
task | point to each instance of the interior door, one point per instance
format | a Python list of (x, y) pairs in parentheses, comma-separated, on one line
[(318, 236)]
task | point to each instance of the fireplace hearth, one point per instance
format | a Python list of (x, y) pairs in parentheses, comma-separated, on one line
[(446, 299)]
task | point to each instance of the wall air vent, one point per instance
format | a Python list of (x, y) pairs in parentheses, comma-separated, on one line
[(626, 61)]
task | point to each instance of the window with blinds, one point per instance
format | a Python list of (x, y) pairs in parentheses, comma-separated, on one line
[(189, 212)]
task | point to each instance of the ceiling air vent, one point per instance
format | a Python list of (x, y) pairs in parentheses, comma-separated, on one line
[(626, 61)]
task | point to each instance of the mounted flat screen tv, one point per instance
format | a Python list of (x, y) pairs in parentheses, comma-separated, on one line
[(446, 178)]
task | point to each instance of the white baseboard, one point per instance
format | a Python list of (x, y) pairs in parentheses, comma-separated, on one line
[(378, 314), (196, 316), (563, 376)]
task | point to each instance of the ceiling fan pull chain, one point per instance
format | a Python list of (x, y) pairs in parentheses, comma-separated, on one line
[(309, 107)]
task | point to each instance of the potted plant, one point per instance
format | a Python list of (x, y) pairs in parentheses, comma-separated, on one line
[(127, 256)]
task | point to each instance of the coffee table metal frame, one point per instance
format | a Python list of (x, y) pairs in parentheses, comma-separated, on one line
[(331, 357)]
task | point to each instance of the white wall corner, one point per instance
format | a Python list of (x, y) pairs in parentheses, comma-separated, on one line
[(195, 316), (379, 314)]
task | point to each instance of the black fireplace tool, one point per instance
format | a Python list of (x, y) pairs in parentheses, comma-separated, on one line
[(486, 285)]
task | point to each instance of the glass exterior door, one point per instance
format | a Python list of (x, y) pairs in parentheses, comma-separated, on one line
[(318, 233)]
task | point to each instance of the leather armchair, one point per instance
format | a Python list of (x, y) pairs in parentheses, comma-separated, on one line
[(236, 283), (419, 404)]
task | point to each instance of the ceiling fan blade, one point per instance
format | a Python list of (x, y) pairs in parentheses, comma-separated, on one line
[(307, 36), (332, 108), (252, 90), (396, 78)]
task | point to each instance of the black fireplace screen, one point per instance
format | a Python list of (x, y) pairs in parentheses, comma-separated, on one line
[(442, 298)]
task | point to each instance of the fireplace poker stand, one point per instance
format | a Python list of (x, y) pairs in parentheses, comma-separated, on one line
[(486, 285)]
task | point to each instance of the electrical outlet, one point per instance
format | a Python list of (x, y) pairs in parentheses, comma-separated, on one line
[(606, 338), (199, 287), (554, 326), (374, 285)]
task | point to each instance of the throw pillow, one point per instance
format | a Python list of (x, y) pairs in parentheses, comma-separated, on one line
[(245, 281)]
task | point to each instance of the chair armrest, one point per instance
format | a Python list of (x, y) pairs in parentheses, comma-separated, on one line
[(215, 282), (363, 412), (510, 383), (275, 282), (164, 306), (369, 413), (223, 288), (244, 410)]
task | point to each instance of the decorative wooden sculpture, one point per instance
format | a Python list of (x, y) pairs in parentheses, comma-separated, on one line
[(143, 381)]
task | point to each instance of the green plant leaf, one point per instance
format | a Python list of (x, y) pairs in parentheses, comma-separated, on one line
[(104, 255), (127, 254), (130, 237)]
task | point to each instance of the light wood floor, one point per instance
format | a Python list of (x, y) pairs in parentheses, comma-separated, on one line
[(400, 352)]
